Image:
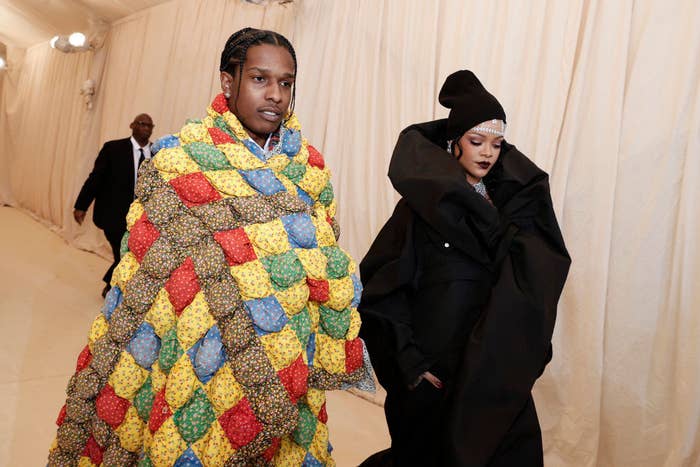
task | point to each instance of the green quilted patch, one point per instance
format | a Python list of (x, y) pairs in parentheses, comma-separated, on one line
[(306, 428), (301, 324), (143, 400), (294, 171), (170, 350), (338, 262), (195, 417), (284, 269), (207, 156), (326, 195), (335, 323)]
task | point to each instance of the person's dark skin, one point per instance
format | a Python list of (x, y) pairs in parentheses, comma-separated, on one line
[(262, 100), (141, 130)]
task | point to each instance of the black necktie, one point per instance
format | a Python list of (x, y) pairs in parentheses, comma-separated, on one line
[(141, 157)]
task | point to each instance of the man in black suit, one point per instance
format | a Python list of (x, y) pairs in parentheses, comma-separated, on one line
[(111, 184)]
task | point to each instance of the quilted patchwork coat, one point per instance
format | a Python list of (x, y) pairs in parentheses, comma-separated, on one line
[(231, 312)]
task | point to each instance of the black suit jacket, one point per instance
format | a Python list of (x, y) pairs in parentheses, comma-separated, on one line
[(111, 185)]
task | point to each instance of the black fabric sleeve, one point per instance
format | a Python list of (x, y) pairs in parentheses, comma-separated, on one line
[(387, 273), (96, 178)]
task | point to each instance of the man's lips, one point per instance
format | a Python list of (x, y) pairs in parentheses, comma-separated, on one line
[(270, 114)]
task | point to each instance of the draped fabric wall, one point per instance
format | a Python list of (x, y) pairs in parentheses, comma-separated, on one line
[(603, 95)]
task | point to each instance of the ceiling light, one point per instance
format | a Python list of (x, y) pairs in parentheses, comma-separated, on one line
[(53, 42), (3, 63), (77, 39)]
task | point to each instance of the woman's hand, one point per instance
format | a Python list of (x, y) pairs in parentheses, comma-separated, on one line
[(429, 377)]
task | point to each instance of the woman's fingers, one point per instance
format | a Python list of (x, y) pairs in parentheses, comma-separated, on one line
[(432, 379)]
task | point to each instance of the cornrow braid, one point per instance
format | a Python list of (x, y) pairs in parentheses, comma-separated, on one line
[(236, 49)]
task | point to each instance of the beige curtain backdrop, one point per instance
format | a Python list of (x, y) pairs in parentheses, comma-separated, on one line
[(603, 95)]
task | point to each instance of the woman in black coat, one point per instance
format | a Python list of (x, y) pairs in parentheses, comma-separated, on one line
[(460, 290)]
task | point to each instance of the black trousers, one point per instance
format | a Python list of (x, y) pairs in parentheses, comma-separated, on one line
[(114, 237)]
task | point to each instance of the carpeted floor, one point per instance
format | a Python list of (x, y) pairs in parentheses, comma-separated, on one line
[(49, 295)]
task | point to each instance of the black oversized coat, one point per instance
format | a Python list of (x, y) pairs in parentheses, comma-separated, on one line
[(508, 260)]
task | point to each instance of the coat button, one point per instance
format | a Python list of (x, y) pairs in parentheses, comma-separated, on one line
[(447, 245)]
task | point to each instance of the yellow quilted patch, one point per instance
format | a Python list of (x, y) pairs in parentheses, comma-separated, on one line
[(162, 314), (125, 270), (290, 454), (319, 445), (324, 231), (288, 184), (252, 279), (235, 126), (278, 162), (214, 448), (240, 157), (147, 438), (355, 323), (167, 445), (134, 214), (192, 132), (302, 156), (229, 183), (223, 390), (168, 176), (314, 262), (333, 208), (314, 315), (294, 298), (194, 321), (352, 267), (158, 377), (293, 123), (130, 432), (341, 292), (314, 180), (174, 161), (269, 238), (315, 399), (181, 383), (85, 462), (282, 347), (330, 354), (127, 376), (98, 329)]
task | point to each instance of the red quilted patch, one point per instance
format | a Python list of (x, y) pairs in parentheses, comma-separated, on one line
[(318, 289), (61, 416), (272, 450), (93, 451), (142, 235), (353, 355), (236, 246), (294, 378), (323, 414), (220, 104), (240, 424), (194, 189), (84, 359), (110, 407), (315, 158), (182, 285), (160, 412), (218, 136)]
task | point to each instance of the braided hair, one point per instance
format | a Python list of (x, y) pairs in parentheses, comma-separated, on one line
[(234, 54)]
